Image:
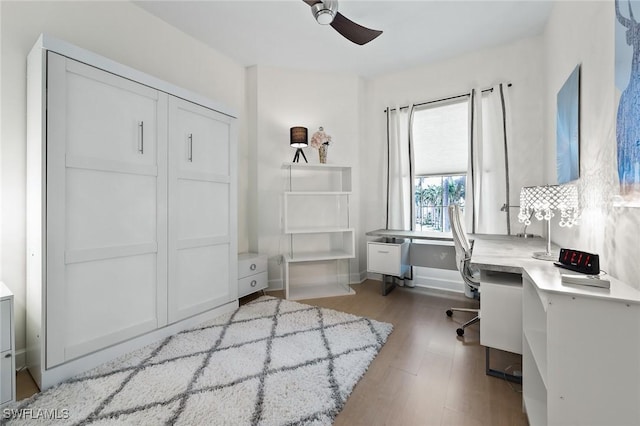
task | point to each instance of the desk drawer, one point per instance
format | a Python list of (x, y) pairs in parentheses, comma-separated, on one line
[(388, 258), (252, 284)]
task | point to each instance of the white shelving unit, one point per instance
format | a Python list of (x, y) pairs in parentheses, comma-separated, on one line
[(581, 347), (316, 221)]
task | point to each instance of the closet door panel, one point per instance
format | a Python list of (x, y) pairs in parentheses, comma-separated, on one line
[(196, 266), (97, 289), (114, 119), (202, 243), (200, 211), (106, 209), (202, 141)]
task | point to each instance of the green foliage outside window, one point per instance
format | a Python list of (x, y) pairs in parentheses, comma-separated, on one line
[(432, 200)]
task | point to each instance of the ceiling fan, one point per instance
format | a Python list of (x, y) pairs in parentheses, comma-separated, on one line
[(326, 13)]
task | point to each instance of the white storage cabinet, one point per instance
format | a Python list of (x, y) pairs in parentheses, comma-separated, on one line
[(581, 352), (317, 224), (7, 347), (131, 206), (501, 311)]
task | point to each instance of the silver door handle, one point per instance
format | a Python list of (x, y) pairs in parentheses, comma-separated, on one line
[(254, 283), (383, 251), (190, 157), (141, 137)]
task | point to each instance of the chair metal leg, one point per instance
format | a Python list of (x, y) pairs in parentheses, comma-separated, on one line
[(471, 321), (464, 310), (474, 320)]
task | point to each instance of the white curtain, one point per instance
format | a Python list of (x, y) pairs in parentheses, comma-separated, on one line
[(490, 136), (399, 173)]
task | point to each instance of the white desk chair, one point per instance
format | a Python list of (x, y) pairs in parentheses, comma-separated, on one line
[(463, 257)]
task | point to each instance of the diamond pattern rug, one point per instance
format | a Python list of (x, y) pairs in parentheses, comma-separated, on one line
[(271, 362)]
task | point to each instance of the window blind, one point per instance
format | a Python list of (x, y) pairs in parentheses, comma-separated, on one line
[(440, 135)]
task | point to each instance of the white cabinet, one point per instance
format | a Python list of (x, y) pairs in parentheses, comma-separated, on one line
[(581, 348), (501, 310), (317, 224), (106, 209), (252, 273), (388, 256), (131, 210), (7, 347), (202, 222)]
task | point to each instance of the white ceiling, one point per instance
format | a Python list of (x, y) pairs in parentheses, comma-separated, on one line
[(285, 34)]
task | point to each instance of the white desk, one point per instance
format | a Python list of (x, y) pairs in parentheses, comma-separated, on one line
[(395, 251), (501, 259), (414, 235), (580, 345)]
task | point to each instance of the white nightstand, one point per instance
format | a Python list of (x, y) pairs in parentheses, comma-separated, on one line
[(252, 273), (7, 348)]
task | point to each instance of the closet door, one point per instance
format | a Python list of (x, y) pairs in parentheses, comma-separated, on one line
[(106, 209), (202, 209)]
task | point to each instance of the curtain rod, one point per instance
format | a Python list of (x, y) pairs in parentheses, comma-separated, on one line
[(444, 99)]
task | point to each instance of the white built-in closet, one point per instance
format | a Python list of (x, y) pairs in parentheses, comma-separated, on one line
[(132, 230)]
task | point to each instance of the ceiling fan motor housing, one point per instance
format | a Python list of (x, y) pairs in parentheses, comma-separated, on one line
[(324, 11)]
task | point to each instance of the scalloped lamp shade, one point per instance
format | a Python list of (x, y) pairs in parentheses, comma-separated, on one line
[(541, 202)]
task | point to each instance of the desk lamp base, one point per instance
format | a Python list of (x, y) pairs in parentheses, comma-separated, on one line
[(543, 255)]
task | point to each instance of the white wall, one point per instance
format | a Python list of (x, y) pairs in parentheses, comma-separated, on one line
[(583, 33), (120, 31), (285, 98), (519, 63)]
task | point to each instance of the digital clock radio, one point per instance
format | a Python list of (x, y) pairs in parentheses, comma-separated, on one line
[(579, 261)]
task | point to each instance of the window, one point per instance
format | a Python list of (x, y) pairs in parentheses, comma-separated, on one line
[(440, 135)]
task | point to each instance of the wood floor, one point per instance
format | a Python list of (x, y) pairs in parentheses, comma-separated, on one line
[(424, 374)]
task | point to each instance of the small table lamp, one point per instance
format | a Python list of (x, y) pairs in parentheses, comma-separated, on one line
[(542, 201), (298, 139)]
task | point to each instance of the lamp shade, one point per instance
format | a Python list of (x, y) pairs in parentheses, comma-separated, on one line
[(541, 201), (298, 137)]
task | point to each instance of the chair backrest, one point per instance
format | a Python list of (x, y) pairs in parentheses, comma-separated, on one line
[(462, 245)]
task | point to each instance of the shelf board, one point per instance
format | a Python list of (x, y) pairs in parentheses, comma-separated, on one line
[(536, 410), (537, 341), (319, 230), (318, 256), (317, 192), (316, 166), (318, 291)]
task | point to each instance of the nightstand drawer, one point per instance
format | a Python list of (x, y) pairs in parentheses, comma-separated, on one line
[(251, 264), (252, 284)]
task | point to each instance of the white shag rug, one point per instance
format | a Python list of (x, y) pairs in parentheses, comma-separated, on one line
[(271, 362)]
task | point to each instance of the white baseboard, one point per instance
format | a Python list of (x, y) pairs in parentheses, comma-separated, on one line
[(447, 281), (277, 284), (354, 278)]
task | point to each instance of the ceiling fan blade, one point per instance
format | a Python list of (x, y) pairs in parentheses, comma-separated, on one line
[(352, 31), (312, 2)]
